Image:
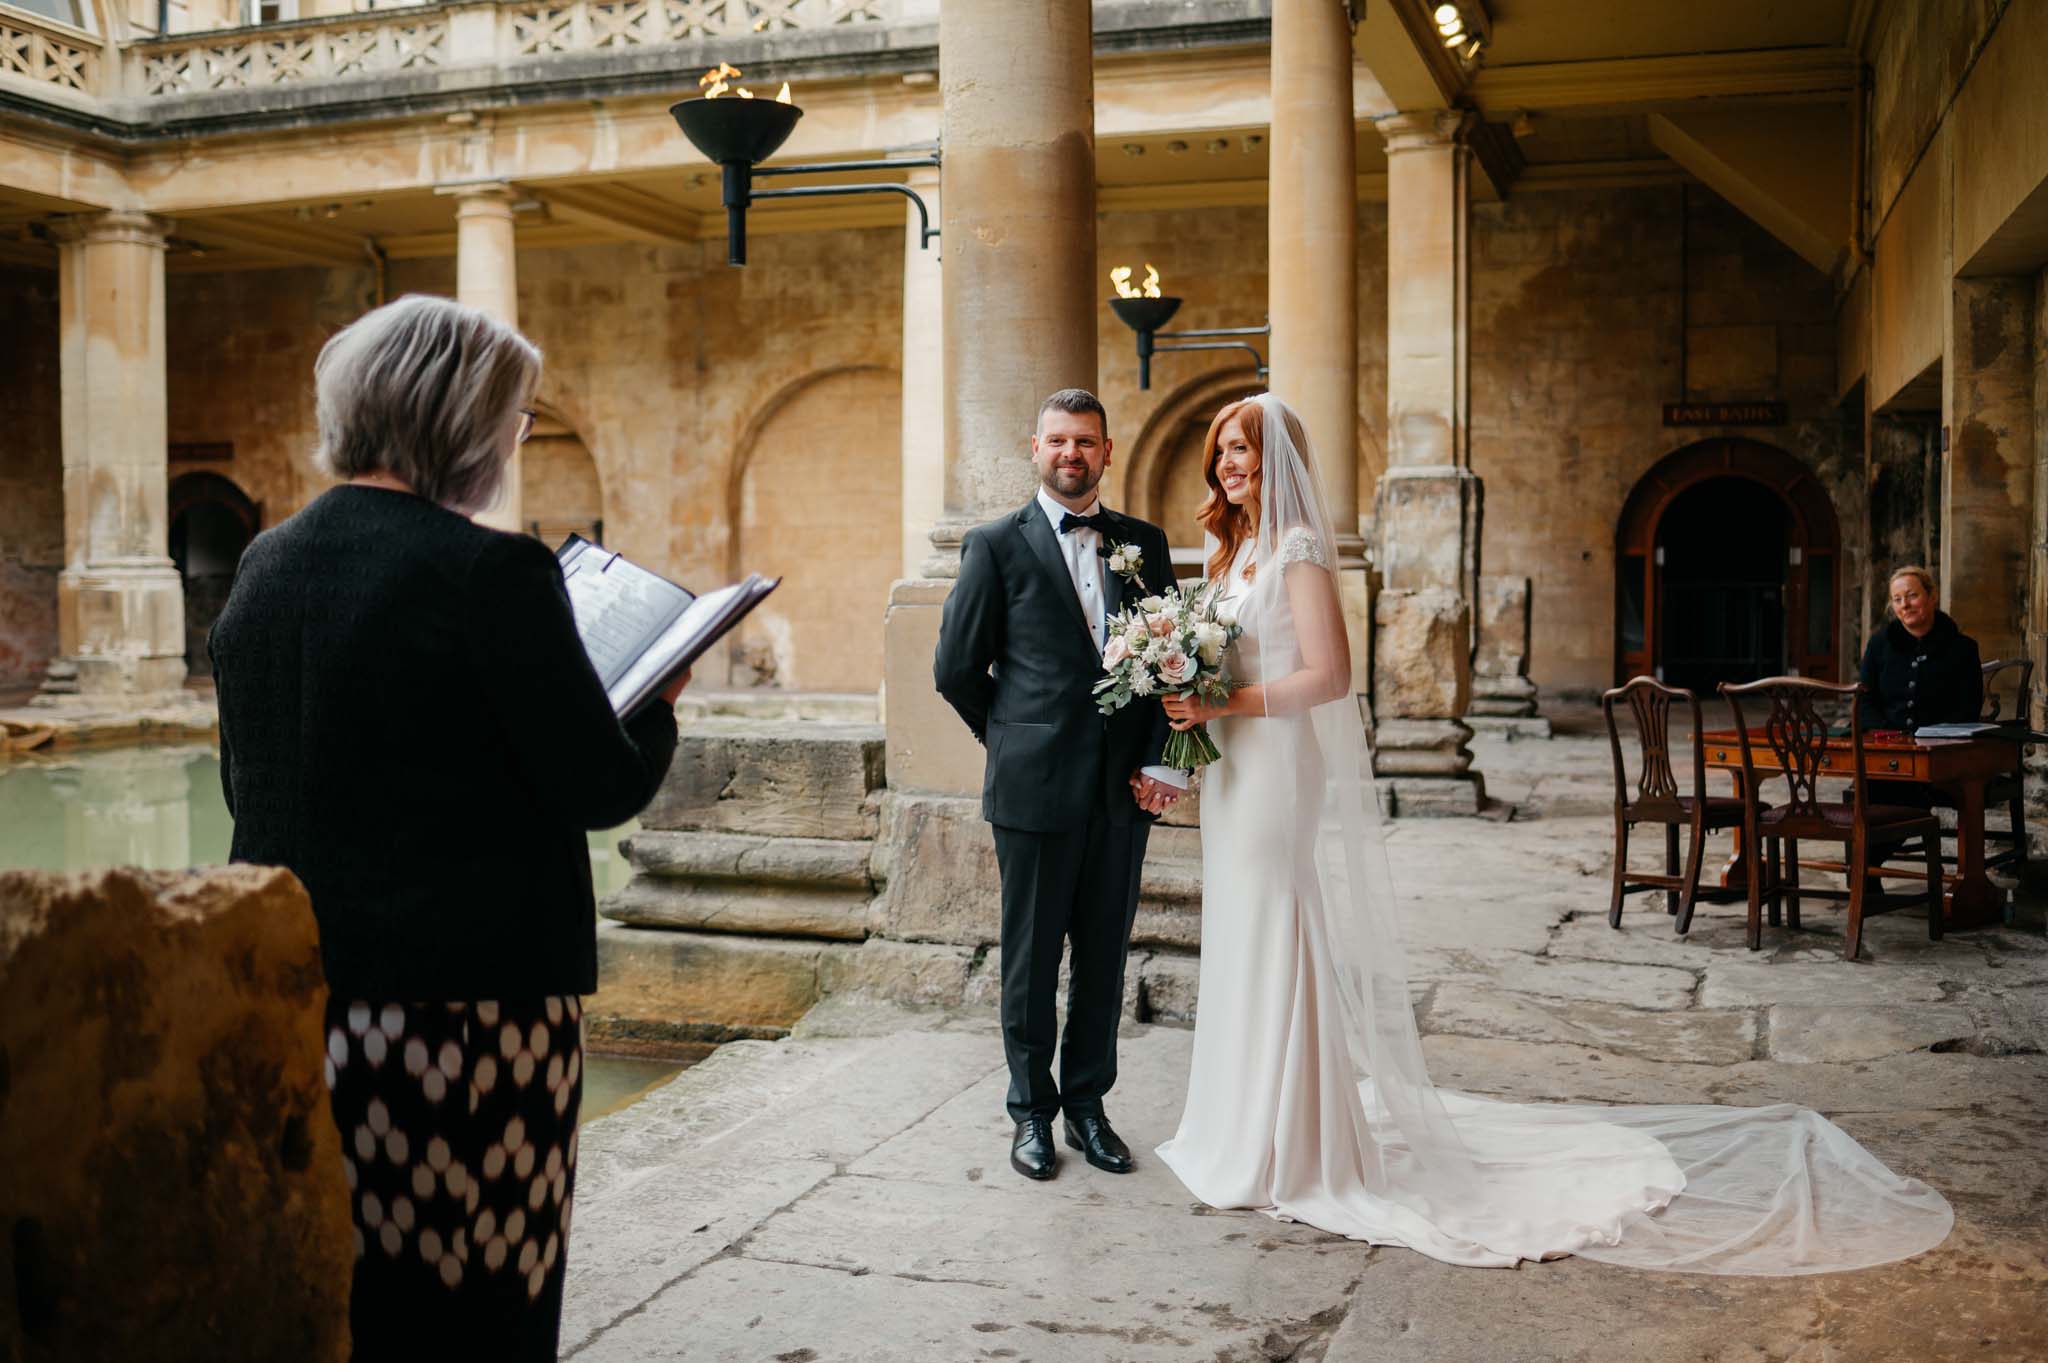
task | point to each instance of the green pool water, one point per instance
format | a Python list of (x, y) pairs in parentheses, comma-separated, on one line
[(161, 808)]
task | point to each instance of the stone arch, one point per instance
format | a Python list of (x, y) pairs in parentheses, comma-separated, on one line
[(1811, 582), (1163, 478), (211, 522), (561, 488), (815, 494)]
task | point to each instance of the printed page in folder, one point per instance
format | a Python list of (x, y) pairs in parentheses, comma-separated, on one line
[(640, 629)]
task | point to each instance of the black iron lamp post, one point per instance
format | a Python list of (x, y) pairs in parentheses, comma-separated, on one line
[(1145, 315), (740, 133)]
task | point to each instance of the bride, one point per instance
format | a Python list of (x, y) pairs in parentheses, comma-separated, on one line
[(1307, 1096)]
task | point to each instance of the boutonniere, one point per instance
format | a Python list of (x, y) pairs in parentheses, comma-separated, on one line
[(1125, 561)]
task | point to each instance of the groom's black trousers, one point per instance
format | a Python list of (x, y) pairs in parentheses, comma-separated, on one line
[(1079, 886)]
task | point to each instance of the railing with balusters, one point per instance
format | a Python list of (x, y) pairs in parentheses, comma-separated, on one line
[(387, 42), (48, 53)]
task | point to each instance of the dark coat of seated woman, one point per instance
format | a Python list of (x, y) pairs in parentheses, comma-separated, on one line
[(1920, 668)]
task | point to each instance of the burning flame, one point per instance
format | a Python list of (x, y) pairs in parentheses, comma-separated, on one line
[(718, 81), (1121, 277)]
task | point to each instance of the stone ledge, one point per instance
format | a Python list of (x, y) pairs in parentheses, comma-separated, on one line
[(825, 862)]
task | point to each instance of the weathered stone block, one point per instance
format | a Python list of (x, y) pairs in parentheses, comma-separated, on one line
[(1168, 985), (937, 860), (1421, 747), (930, 749), (1422, 663), (1503, 620), (173, 1181), (702, 986), (1428, 523), (732, 882), (909, 972), (778, 779)]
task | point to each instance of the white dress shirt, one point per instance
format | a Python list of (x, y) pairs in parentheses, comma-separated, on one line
[(1082, 549)]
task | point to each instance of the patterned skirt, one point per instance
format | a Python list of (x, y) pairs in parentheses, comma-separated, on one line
[(458, 1134)]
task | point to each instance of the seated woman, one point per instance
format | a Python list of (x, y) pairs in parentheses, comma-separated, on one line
[(1919, 667), (409, 722)]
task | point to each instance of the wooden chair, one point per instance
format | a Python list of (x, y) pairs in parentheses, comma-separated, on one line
[(2009, 790), (1797, 736), (1657, 800)]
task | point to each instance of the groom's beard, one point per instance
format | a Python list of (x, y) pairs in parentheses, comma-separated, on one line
[(1072, 482)]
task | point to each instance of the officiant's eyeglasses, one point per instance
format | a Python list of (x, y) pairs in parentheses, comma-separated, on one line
[(527, 416)]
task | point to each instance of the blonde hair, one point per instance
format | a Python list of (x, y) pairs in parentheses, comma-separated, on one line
[(1912, 570), (425, 389)]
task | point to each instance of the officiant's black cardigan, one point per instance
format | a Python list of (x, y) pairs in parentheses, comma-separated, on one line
[(408, 721)]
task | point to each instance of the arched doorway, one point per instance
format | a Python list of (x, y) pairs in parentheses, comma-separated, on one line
[(212, 522), (560, 492), (1726, 569)]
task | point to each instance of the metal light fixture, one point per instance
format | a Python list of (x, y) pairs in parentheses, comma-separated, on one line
[(738, 131), (1463, 27), (1144, 309)]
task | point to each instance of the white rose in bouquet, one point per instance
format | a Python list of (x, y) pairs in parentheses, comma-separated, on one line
[(1209, 642), (1149, 604), (1176, 668), (1115, 651)]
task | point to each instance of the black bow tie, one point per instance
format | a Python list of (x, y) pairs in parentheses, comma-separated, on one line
[(1070, 523)]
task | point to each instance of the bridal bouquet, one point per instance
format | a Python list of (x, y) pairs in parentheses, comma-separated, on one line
[(1170, 645)]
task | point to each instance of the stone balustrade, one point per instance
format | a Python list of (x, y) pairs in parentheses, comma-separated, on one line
[(43, 57), (48, 54), (379, 43)]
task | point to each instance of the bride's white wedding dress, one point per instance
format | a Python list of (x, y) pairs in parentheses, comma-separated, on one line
[(1307, 1095)]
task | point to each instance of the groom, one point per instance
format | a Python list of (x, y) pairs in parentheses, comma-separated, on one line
[(1067, 788)]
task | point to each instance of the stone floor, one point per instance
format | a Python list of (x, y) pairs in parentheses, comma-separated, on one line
[(844, 1194)]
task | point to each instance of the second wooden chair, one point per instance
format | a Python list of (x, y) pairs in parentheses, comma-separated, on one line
[(1794, 743)]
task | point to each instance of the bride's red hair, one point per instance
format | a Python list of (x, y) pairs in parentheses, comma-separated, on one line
[(1231, 524)]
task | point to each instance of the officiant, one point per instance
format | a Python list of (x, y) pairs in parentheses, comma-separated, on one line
[(409, 723)]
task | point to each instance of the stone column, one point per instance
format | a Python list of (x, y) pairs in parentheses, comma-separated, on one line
[(1019, 303), (924, 381), (1312, 242), (1987, 476), (1429, 501), (120, 605), (1312, 278), (487, 277)]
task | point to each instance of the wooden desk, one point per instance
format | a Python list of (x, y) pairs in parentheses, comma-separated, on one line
[(1958, 767)]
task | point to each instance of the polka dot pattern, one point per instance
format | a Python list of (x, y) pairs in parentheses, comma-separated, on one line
[(458, 1126)]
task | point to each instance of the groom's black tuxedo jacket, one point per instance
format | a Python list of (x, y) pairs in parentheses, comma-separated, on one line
[(1054, 760)]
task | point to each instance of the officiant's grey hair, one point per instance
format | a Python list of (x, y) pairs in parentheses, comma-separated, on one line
[(428, 390)]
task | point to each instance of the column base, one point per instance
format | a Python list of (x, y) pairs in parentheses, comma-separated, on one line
[(1419, 797), (1421, 747), (930, 750), (122, 627)]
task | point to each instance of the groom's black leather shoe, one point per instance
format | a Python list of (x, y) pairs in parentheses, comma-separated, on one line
[(1031, 1153), (1099, 1145)]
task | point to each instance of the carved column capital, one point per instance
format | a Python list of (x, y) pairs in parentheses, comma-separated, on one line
[(1424, 129), (118, 225)]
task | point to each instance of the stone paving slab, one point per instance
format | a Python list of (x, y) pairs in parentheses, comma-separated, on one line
[(1708, 1036), (1807, 1032)]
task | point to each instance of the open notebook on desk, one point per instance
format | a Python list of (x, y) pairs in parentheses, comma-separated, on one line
[(640, 629)]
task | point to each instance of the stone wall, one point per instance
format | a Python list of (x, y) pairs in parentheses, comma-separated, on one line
[(1576, 341), (241, 346), (31, 476), (174, 1184)]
